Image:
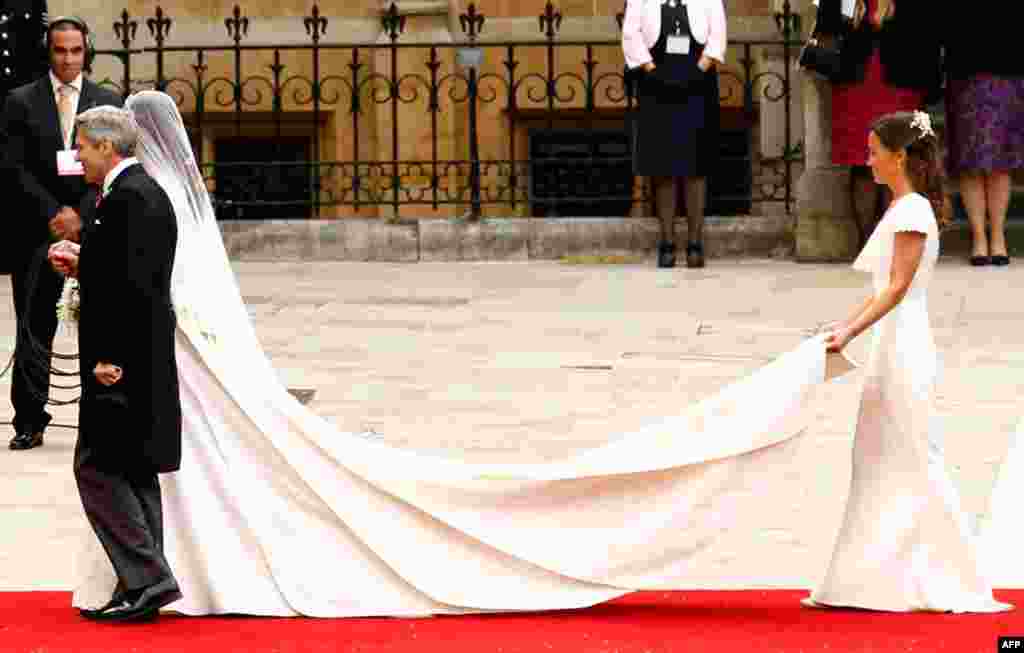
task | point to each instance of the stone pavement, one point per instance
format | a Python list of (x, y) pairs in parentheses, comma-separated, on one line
[(530, 360)]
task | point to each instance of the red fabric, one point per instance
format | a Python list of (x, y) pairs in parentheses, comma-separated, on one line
[(856, 106), (652, 622)]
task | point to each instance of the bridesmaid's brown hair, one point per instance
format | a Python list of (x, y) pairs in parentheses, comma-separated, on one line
[(904, 130)]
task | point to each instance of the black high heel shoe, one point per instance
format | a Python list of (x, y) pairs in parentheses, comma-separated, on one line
[(694, 255)]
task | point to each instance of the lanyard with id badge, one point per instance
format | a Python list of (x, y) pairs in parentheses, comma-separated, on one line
[(677, 42), (67, 159)]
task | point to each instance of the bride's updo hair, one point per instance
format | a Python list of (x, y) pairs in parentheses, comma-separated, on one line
[(911, 131)]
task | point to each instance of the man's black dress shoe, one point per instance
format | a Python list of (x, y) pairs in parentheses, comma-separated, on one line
[(94, 613), (27, 440), (144, 604)]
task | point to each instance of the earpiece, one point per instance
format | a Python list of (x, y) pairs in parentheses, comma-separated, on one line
[(90, 48)]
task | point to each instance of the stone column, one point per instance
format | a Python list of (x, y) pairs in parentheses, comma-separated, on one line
[(825, 228)]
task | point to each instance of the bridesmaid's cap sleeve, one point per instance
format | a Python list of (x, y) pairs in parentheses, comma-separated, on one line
[(915, 213)]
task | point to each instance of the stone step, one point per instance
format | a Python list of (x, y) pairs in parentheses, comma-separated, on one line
[(519, 239), (493, 239), (422, 7), (956, 240)]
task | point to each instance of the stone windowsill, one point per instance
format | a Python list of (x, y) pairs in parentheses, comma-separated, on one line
[(417, 7)]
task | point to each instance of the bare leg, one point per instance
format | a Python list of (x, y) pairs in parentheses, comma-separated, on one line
[(997, 196), (972, 188)]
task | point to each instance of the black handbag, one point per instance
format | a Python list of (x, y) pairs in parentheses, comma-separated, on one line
[(822, 55), (823, 58)]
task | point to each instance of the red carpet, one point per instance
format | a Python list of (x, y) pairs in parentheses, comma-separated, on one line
[(647, 622)]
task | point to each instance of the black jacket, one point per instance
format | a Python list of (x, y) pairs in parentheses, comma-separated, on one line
[(29, 139), (983, 41), (909, 43), (22, 52), (126, 319)]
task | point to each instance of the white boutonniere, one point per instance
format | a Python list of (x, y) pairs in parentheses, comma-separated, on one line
[(69, 304), (923, 122)]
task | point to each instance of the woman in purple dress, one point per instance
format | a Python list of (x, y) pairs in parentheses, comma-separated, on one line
[(985, 120)]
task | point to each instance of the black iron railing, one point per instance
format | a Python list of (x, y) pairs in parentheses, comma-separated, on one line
[(400, 124)]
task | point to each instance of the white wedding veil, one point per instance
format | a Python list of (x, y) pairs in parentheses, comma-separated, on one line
[(204, 291)]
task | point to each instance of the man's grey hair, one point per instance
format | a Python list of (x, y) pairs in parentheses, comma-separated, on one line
[(109, 123)]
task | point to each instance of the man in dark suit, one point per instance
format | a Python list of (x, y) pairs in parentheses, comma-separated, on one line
[(51, 197), (129, 425)]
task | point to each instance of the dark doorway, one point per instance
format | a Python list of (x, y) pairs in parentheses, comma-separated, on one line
[(263, 178), (589, 173), (731, 182), (580, 173)]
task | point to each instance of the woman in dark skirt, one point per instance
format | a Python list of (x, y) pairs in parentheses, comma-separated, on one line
[(677, 44)]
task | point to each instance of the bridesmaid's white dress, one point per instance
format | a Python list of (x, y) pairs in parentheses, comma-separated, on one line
[(904, 542)]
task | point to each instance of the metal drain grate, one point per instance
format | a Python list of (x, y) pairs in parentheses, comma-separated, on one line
[(304, 395)]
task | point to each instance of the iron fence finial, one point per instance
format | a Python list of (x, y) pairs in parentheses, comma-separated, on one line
[(550, 21), (126, 28), (316, 25), (159, 26), (472, 22), (237, 25), (393, 22)]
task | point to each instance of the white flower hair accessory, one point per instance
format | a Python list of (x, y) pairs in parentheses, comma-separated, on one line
[(923, 122)]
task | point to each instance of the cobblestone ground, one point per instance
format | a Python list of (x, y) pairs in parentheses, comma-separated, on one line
[(532, 360)]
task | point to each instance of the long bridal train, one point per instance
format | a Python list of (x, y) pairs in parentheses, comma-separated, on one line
[(275, 512), (1003, 531)]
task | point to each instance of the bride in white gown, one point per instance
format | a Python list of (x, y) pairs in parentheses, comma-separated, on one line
[(276, 512)]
